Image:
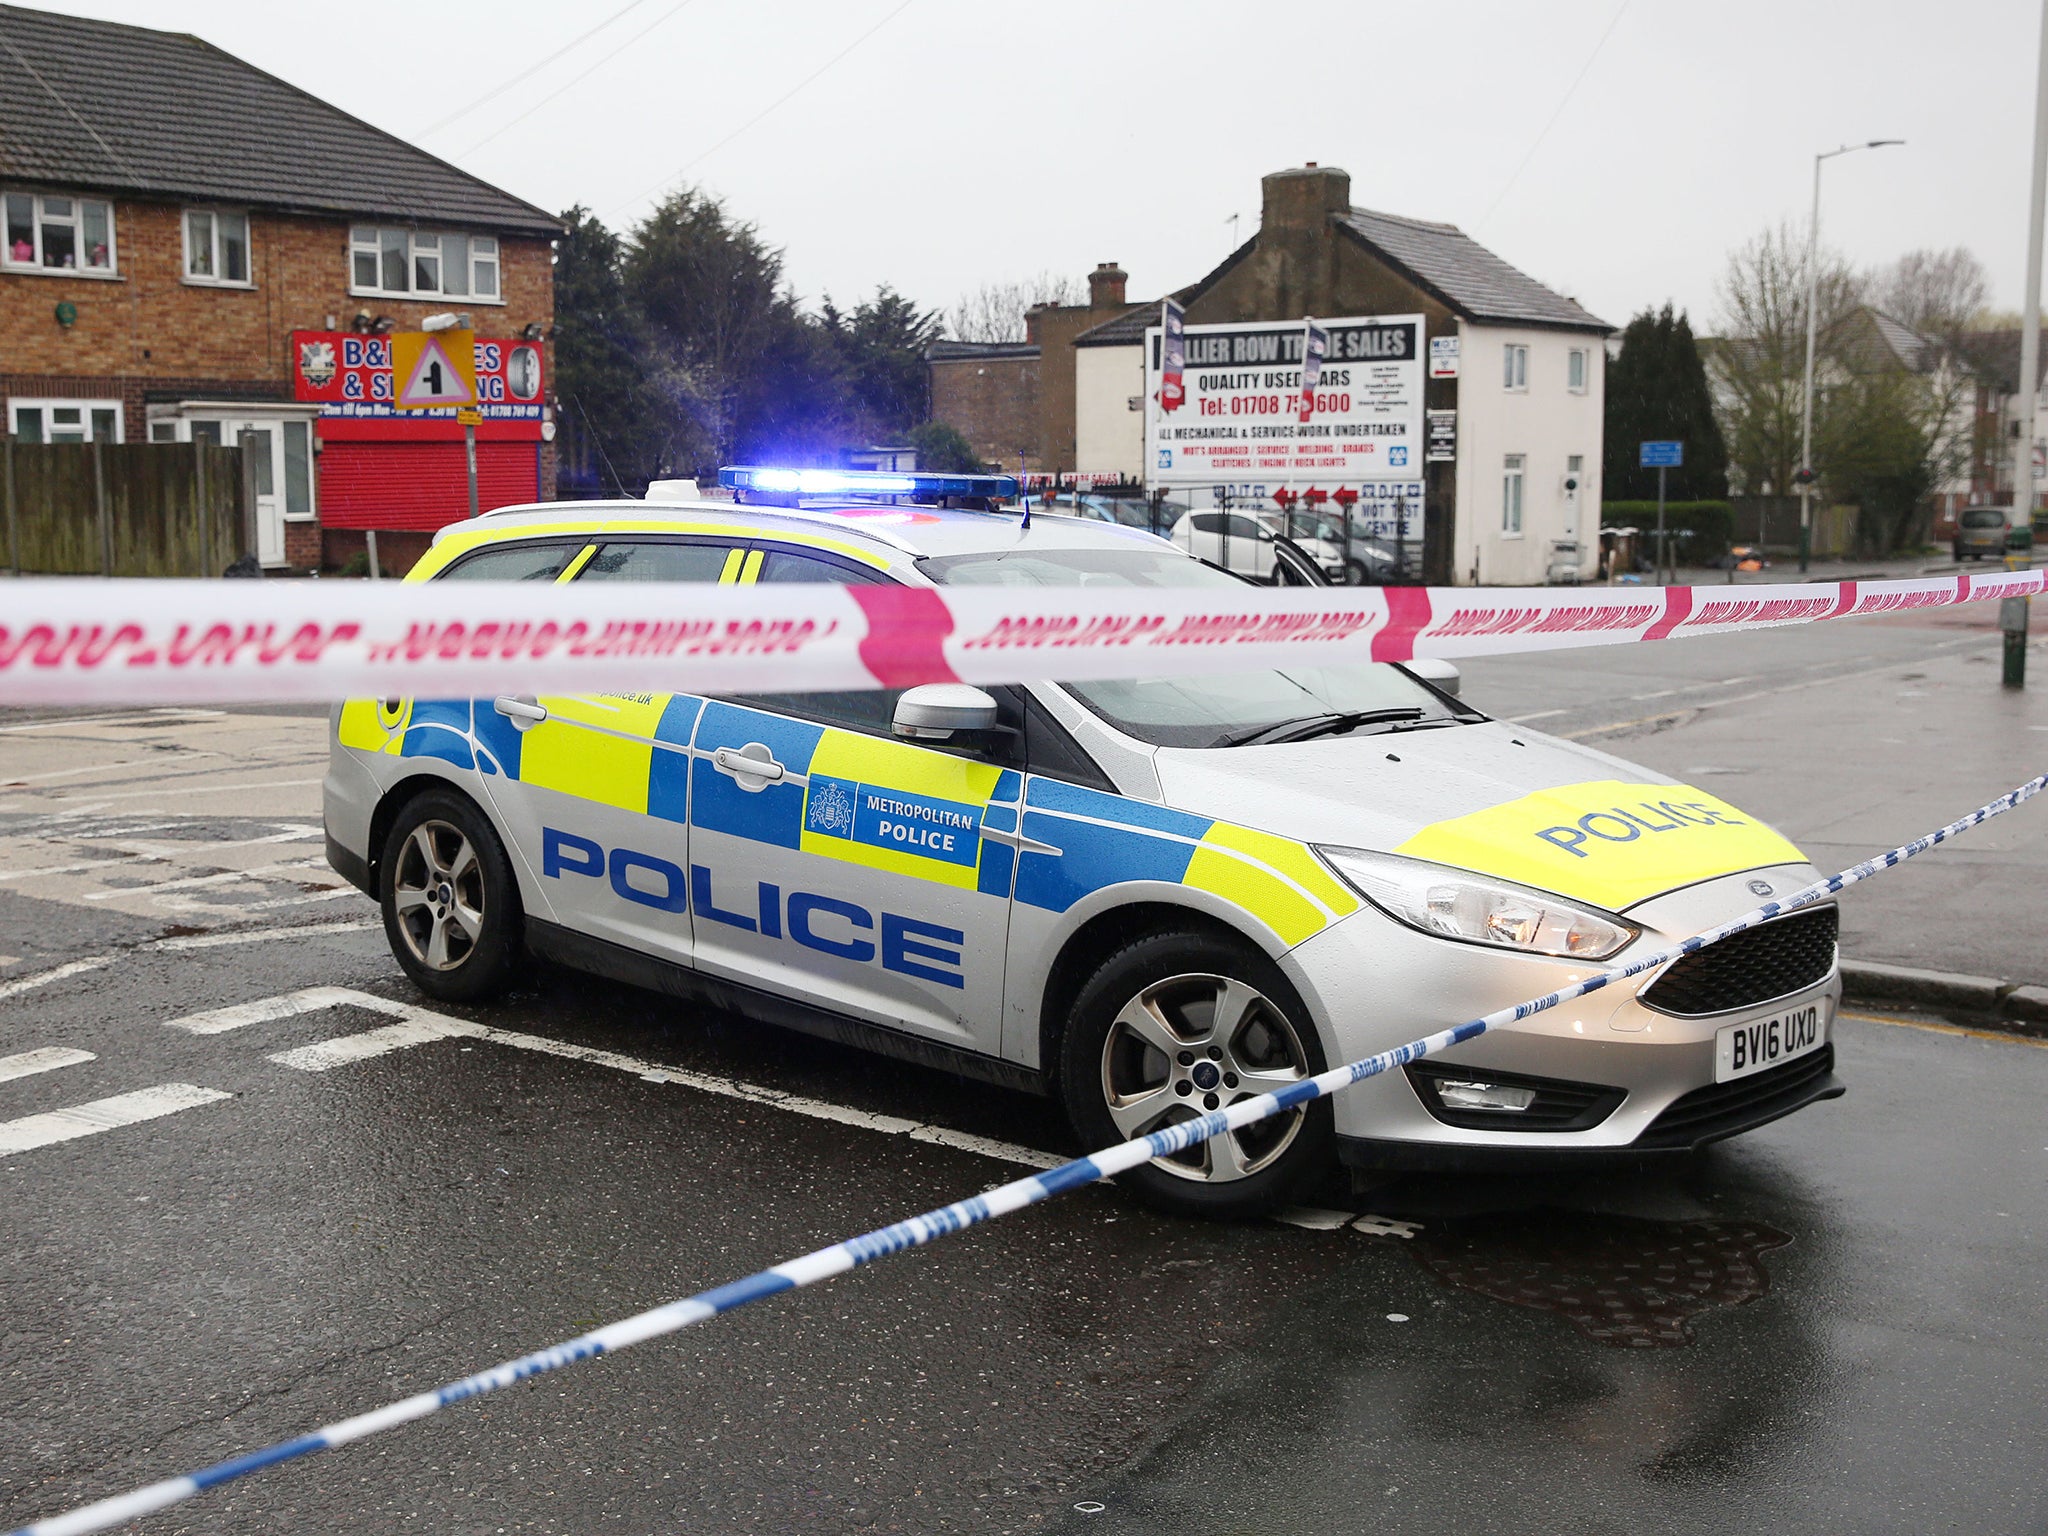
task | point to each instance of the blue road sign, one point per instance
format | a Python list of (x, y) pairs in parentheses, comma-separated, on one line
[(1667, 455)]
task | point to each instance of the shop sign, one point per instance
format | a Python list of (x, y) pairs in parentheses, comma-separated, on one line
[(1248, 418), (1443, 437), (350, 376)]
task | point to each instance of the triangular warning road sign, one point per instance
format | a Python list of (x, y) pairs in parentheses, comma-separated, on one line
[(435, 380)]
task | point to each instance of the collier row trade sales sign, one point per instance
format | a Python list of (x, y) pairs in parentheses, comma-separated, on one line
[(1239, 418)]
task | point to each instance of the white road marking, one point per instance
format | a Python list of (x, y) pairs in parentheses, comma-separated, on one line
[(1314, 1220), (257, 936), (46, 1058), (199, 789), (196, 882), (44, 1130), (348, 1049), (167, 716), (344, 889), (218, 1021), (418, 1026), (1541, 714), (44, 978), (72, 869), (21, 781), (1386, 1226)]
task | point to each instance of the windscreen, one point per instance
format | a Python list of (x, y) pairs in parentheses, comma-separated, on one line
[(1208, 711)]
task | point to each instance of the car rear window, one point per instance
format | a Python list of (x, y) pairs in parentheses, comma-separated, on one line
[(1984, 517)]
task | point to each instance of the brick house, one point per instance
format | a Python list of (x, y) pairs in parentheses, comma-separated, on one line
[(1517, 499), (193, 250)]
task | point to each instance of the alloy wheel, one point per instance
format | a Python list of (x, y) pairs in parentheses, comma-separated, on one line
[(1194, 1043), (438, 890)]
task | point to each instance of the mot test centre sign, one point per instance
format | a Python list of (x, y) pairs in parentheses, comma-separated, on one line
[(1245, 426)]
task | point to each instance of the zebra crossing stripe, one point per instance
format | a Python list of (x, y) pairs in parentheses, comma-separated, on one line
[(44, 1059)]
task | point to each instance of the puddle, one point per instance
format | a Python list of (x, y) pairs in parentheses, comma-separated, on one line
[(1620, 1280)]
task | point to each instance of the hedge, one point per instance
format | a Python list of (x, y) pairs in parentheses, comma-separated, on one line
[(1710, 524)]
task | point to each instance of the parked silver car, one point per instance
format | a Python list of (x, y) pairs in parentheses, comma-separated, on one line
[(1981, 531)]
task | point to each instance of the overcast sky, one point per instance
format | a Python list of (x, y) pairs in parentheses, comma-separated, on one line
[(971, 140)]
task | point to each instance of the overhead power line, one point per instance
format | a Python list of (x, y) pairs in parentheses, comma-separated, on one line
[(783, 99), (577, 80), (524, 75), (1570, 91)]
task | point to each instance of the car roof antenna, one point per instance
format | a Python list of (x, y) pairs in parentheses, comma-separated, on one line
[(1025, 482)]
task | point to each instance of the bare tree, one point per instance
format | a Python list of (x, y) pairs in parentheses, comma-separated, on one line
[(1937, 293), (1759, 360), (995, 311)]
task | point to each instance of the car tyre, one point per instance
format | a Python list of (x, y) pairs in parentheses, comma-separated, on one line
[(1236, 1027), (1358, 574), (450, 901)]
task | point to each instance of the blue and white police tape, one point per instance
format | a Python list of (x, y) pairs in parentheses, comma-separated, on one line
[(919, 1230)]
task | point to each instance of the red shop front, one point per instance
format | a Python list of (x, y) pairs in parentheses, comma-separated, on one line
[(405, 472)]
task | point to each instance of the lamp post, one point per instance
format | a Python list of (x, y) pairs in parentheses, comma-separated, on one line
[(1805, 476)]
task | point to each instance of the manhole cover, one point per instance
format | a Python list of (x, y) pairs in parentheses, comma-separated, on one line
[(1619, 1280)]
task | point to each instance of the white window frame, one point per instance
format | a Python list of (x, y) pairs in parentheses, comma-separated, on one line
[(1514, 372), (429, 245), (203, 280), (1514, 477), (1576, 358), (38, 217), (16, 404)]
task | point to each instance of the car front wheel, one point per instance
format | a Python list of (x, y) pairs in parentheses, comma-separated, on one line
[(1177, 1024), (450, 902)]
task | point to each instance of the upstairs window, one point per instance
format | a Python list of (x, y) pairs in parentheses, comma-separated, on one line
[(58, 234), (1514, 366), (411, 263), (1575, 371), (216, 247)]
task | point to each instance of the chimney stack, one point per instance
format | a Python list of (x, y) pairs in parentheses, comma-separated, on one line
[(1305, 198), (1106, 286)]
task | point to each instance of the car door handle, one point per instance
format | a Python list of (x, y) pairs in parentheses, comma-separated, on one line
[(753, 760), (524, 714)]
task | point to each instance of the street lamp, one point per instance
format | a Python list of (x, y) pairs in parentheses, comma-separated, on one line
[(1805, 475)]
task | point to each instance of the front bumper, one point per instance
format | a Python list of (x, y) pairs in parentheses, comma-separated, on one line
[(1365, 975)]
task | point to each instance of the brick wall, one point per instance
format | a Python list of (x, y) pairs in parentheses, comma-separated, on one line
[(994, 403), (149, 331)]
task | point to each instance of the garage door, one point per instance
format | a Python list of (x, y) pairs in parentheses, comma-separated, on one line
[(421, 485)]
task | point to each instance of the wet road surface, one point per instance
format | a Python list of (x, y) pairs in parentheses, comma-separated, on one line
[(1835, 1322)]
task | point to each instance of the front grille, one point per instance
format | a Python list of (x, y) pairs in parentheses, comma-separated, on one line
[(1558, 1105), (1708, 1114), (1774, 959)]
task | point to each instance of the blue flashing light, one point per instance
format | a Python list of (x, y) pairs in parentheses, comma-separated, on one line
[(862, 482)]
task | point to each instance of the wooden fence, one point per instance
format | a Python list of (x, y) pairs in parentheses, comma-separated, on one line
[(125, 509)]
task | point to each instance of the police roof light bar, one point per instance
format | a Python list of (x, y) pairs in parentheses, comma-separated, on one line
[(863, 482)]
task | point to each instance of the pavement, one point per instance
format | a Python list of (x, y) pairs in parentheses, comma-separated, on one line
[(290, 1192)]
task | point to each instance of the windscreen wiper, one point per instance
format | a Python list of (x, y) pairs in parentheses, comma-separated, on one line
[(1311, 726)]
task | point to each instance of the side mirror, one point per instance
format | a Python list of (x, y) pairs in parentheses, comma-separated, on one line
[(941, 711), (1438, 673)]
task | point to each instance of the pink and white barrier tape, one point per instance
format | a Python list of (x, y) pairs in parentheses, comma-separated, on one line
[(195, 642)]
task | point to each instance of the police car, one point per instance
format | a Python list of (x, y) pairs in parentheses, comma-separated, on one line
[(1147, 897)]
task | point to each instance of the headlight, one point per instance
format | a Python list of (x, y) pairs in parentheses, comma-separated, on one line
[(1456, 904)]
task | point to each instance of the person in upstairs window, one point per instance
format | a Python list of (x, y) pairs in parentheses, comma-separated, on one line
[(21, 250)]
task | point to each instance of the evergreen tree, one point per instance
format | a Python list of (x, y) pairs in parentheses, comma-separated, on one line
[(1657, 389), (600, 385), (880, 347)]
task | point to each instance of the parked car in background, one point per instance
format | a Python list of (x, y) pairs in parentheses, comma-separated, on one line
[(1981, 531), (1244, 542)]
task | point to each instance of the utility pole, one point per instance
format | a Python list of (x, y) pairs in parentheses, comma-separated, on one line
[(1805, 474), (2012, 616)]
